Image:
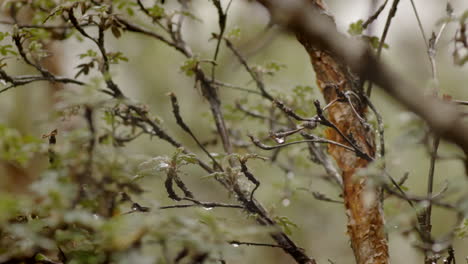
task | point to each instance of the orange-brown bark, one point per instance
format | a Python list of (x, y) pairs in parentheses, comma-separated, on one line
[(363, 206), (365, 220), (362, 202)]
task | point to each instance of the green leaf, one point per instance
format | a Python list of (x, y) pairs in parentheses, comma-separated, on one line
[(89, 53), (234, 33), (116, 57), (43, 259), (189, 66), (188, 159), (7, 49), (286, 224), (356, 28), (157, 11), (3, 35), (375, 42), (274, 67)]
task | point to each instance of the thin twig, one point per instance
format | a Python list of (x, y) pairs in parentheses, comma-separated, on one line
[(253, 74), (414, 198), (257, 115), (23, 80), (205, 205), (316, 140), (181, 123), (48, 27), (237, 243), (222, 19), (324, 121), (390, 16), (99, 41), (235, 87), (380, 125), (375, 15), (420, 24)]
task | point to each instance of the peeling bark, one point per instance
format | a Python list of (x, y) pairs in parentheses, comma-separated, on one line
[(362, 202), (363, 206)]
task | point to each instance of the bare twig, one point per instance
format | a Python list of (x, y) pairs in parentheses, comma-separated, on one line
[(375, 15), (238, 243), (390, 16), (324, 121), (222, 19), (17, 81), (181, 123), (253, 74), (315, 140), (206, 205), (420, 24)]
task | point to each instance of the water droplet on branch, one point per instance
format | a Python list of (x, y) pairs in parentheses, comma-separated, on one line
[(279, 140)]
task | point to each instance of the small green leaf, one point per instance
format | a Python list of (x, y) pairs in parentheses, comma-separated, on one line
[(189, 66), (286, 224), (89, 53), (157, 11), (274, 67), (235, 33), (356, 28), (42, 258), (3, 35), (374, 42)]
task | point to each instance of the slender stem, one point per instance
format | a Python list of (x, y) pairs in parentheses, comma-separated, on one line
[(420, 24), (235, 242), (316, 140), (390, 16), (374, 16), (222, 18)]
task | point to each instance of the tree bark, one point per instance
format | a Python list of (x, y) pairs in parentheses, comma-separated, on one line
[(362, 202), (363, 206)]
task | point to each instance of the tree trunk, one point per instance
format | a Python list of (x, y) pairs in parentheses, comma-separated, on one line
[(363, 205), (362, 202)]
